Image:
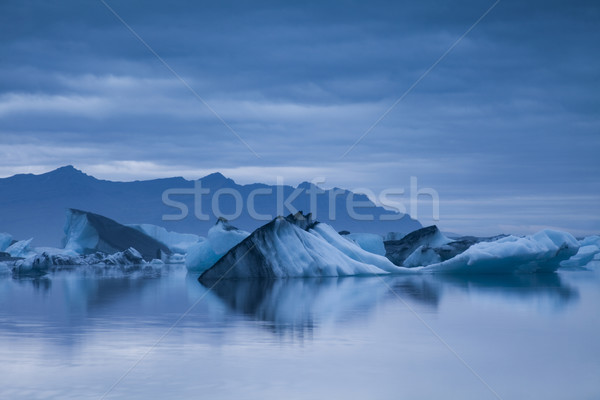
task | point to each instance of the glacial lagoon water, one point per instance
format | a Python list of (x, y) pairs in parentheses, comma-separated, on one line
[(149, 335)]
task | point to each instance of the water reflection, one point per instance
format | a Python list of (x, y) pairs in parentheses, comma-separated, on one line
[(41, 284), (248, 338), (523, 287), (69, 304), (298, 304)]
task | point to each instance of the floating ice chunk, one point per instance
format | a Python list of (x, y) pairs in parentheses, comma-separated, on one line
[(20, 249), (590, 240), (41, 263), (368, 241), (423, 255), (589, 251), (5, 241), (128, 257), (44, 262), (44, 258), (175, 241), (398, 251), (541, 252), (86, 233), (220, 239)]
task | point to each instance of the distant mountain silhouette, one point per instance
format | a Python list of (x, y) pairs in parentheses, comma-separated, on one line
[(35, 205)]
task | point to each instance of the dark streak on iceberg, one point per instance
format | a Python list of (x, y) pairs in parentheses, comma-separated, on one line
[(248, 258), (429, 242)]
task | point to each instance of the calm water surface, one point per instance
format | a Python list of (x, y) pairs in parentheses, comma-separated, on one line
[(82, 336)]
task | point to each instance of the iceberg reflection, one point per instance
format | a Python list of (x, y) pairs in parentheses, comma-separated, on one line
[(67, 306), (298, 304)]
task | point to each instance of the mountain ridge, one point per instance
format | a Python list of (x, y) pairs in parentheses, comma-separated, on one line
[(35, 205)]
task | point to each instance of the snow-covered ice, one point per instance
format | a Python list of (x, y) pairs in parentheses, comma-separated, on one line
[(423, 255), (86, 233), (424, 244), (80, 235), (220, 239), (370, 242), (541, 252), (296, 246), (293, 247), (49, 259), (175, 241), (589, 250), (20, 248), (5, 241)]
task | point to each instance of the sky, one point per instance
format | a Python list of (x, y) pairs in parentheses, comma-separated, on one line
[(494, 105)]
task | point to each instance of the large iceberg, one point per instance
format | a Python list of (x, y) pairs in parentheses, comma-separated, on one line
[(175, 241), (86, 233), (220, 239), (296, 246)]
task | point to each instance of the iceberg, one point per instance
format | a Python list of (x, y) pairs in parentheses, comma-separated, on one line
[(394, 236), (541, 252), (589, 251), (428, 246), (370, 242), (20, 249), (175, 241), (86, 233), (296, 246), (421, 239), (220, 239), (593, 240), (91, 241), (5, 241), (50, 259), (423, 255), (128, 257), (349, 249), (39, 264)]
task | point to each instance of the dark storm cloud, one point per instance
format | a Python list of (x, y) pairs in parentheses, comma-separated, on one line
[(511, 112)]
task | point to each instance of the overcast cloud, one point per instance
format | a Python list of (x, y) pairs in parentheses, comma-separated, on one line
[(506, 128)]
